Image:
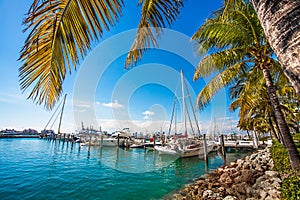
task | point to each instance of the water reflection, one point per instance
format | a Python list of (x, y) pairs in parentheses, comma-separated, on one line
[(140, 160)]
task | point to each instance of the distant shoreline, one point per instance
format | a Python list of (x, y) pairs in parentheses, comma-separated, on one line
[(19, 136)]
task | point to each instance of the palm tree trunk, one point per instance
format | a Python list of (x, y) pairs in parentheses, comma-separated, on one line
[(276, 124), (280, 21), (272, 129), (282, 124)]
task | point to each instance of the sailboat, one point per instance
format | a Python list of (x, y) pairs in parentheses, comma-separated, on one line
[(49, 133), (185, 146)]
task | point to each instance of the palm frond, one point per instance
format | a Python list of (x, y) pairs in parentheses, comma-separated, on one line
[(219, 81), (154, 16), (61, 33), (215, 34), (235, 25), (219, 60)]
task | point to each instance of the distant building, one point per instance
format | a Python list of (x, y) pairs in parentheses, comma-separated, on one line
[(30, 131), (9, 131)]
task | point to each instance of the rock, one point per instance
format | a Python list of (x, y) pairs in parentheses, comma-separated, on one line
[(183, 193), (275, 194), (248, 190), (207, 194), (233, 164), (221, 191), (230, 191), (229, 198), (258, 182), (253, 156), (246, 166), (225, 180), (246, 176), (259, 169), (271, 198), (200, 191), (240, 188), (275, 180), (272, 173), (263, 194), (195, 193), (276, 185), (250, 178)]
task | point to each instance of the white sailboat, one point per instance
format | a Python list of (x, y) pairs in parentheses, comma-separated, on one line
[(184, 146)]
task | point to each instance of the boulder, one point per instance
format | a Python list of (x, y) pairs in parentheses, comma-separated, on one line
[(240, 188), (272, 173), (246, 166), (207, 194), (230, 198), (274, 194), (263, 194), (253, 156), (246, 176), (225, 180)]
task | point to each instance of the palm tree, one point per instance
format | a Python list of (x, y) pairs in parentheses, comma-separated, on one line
[(236, 44), (62, 31), (254, 107), (280, 21), (252, 99)]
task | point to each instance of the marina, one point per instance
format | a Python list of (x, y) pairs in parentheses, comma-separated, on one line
[(54, 169), (150, 100)]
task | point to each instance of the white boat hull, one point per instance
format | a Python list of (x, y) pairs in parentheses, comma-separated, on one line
[(111, 142), (199, 151)]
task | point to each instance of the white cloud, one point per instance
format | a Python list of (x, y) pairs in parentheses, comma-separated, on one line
[(114, 104), (146, 117), (148, 112)]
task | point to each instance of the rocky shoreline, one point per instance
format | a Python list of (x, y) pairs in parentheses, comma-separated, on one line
[(244, 179)]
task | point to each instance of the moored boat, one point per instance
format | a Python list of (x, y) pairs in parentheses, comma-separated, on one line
[(185, 146)]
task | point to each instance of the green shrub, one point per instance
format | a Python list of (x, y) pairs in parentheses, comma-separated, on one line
[(296, 136), (280, 157), (291, 188)]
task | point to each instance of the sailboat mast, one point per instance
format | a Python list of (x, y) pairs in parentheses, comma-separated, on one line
[(193, 109), (183, 102), (61, 114), (175, 116)]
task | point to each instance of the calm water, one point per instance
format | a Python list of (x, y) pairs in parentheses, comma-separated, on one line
[(42, 169)]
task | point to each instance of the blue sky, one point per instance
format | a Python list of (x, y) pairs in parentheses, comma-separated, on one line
[(140, 98)]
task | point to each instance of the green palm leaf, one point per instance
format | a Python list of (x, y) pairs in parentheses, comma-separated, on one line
[(61, 34), (154, 16), (221, 80), (218, 61)]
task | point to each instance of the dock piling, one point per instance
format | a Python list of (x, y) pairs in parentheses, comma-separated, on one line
[(221, 138), (205, 147), (118, 137)]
